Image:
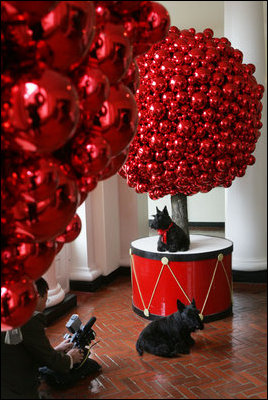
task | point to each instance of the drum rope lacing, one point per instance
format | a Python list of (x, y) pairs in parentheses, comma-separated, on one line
[(165, 261)]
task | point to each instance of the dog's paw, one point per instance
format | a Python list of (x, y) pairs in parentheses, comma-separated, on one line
[(182, 349), (161, 247), (191, 341), (172, 249), (184, 249)]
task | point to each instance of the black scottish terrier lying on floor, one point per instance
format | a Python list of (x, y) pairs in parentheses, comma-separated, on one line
[(171, 335), (172, 237)]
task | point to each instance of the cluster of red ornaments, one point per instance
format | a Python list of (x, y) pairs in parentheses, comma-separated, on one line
[(68, 115), (199, 116)]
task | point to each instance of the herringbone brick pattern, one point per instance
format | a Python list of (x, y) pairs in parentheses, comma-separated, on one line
[(228, 360)]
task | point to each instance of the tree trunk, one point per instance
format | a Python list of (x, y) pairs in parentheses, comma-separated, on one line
[(179, 211)]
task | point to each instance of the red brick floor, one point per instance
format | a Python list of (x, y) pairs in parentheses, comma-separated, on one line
[(228, 360)]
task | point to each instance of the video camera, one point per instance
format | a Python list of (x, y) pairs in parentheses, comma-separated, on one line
[(81, 337)]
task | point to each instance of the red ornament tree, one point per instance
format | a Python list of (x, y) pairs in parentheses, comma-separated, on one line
[(199, 118)]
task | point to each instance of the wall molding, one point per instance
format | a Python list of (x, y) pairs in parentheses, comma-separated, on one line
[(220, 225), (238, 276), (250, 276), (86, 286)]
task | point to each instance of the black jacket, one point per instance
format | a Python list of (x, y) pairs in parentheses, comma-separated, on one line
[(20, 362)]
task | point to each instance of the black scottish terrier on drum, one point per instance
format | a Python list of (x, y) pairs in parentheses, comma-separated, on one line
[(170, 336), (172, 237)]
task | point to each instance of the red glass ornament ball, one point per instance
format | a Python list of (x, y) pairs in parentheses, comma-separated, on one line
[(18, 299)]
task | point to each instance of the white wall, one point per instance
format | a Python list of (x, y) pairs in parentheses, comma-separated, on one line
[(202, 207), (196, 14), (246, 199)]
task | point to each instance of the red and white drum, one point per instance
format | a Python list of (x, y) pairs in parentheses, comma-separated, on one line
[(204, 273)]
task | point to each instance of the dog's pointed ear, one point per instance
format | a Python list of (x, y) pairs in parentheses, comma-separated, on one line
[(157, 210), (165, 211), (180, 305), (193, 303)]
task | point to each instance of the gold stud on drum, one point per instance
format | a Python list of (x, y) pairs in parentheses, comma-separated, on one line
[(220, 257), (164, 260), (146, 312)]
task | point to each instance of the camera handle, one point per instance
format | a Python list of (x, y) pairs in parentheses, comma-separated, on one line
[(68, 336), (87, 355)]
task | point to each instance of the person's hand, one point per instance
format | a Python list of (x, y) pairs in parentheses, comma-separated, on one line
[(76, 354), (65, 346)]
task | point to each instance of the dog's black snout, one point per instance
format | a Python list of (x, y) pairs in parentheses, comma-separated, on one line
[(151, 224)]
